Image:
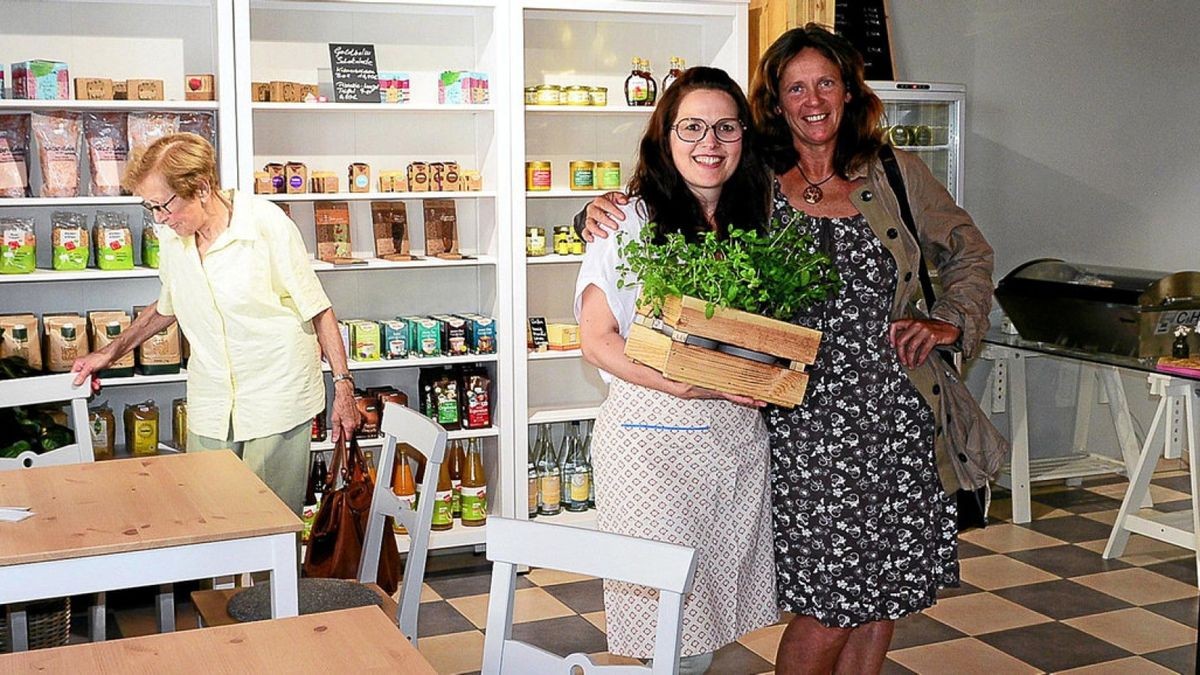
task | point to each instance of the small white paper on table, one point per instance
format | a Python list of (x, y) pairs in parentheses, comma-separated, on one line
[(14, 515)]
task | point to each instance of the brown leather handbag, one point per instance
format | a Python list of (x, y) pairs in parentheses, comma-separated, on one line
[(340, 528)]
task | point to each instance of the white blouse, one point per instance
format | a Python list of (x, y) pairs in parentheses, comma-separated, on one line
[(599, 269)]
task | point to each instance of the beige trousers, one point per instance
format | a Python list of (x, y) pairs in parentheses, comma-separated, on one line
[(280, 460)]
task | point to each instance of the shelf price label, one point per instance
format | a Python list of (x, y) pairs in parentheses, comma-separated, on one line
[(355, 76)]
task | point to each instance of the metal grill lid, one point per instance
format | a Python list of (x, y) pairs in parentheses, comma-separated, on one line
[(1119, 285)]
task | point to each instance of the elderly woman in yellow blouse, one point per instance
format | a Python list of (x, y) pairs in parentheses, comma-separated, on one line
[(237, 278)]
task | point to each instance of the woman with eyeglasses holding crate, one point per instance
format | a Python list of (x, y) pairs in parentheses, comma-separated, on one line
[(674, 462), (237, 278)]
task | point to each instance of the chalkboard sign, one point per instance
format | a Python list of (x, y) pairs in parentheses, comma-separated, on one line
[(355, 77), (865, 24)]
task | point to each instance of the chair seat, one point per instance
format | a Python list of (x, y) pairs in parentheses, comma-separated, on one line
[(229, 606)]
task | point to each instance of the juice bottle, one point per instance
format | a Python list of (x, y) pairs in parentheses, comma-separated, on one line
[(443, 518), (474, 488)]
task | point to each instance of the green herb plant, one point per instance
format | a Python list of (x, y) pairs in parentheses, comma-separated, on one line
[(774, 274)]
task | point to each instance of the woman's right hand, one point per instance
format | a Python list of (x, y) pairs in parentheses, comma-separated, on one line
[(90, 365), (604, 214)]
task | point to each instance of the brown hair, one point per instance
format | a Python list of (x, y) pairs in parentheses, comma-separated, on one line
[(745, 197), (187, 163), (859, 137)]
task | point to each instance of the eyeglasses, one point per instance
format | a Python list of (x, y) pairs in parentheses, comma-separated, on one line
[(693, 129), (155, 209)]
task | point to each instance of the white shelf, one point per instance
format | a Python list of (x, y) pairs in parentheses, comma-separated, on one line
[(923, 148), (553, 259), (423, 263), (396, 108), (378, 196), (553, 415), (413, 362), (90, 274), (455, 537), (552, 355), (584, 519), (17, 105), (562, 194), (458, 434), (139, 380), (71, 201), (591, 109)]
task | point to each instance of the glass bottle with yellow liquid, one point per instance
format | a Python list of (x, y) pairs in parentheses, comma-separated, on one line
[(403, 485), (443, 518), (474, 487)]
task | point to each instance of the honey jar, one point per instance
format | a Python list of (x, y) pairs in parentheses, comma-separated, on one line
[(537, 176), (104, 431), (577, 95), (179, 424), (535, 242), (608, 176), (598, 95), (562, 240), (574, 242), (530, 95), (547, 94), (581, 173)]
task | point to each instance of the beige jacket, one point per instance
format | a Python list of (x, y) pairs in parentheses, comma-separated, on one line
[(963, 260)]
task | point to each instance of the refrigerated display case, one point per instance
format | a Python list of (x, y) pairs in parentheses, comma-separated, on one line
[(926, 118)]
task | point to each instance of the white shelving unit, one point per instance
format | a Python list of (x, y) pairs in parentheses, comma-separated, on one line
[(157, 39), (569, 42), (288, 40)]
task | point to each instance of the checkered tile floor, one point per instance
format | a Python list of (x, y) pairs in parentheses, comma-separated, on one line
[(1034, 598)]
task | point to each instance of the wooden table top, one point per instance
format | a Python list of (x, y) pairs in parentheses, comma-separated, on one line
[(348, 641), (136, 504)]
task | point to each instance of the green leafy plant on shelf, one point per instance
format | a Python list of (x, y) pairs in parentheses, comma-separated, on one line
[(773, 274), (24, 428)]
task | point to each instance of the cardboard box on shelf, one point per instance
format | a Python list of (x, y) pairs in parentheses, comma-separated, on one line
[(359, 177), (144, 90), (93, 89), (262, 183), (295, 177), (323, 182), (441, 228), (418, 177), (120, 90), (200, 87), (275, 172), (41, 79), (260, 92)]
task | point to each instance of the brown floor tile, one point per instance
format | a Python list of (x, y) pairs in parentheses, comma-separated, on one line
[(1068, 561), (452, 653), (1005, 538), (1179, 659), (764, 641), (1128, 666), (1158, 492), (968, 550), (1107, 517), (1054, 646), (563, 635), (920, 629), (1178, 481), (1062, 599), (581, 596), (1173, 506), (532, 604), (1071, 529), (1143, 551), (1184, 611), (1135, 630), (451, 585), (597, 619), (1078, 500), (427, 594), (963, 588), (135, 621), (545, 577), (1183, 569), (997, 571), (890, 667), (965, 655), (1137, 586), (439, 618), (1000, 510), (982, 613), (736, 658)]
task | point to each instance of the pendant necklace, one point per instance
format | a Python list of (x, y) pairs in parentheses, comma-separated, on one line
[(813, 193)]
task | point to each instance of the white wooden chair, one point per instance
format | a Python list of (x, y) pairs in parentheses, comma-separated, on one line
[(401, 424), (53, 389), (428, 439), (667, 567)]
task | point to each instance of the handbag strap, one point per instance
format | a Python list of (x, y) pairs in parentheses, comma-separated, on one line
[(348, 463), (896, 181)]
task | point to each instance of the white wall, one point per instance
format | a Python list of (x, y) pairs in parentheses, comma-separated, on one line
[(1083, 143)]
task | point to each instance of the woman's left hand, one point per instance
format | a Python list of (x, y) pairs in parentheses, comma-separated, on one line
[(915, 339), (345, 418)]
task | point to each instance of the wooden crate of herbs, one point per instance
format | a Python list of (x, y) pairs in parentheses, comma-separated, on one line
[(662, 343)]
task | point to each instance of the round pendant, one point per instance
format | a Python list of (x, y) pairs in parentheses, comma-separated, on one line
[(813, 194)]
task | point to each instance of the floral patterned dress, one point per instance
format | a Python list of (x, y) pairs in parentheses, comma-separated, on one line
[(863, 529)]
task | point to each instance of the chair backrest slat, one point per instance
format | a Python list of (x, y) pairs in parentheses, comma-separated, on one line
[(51, 389)]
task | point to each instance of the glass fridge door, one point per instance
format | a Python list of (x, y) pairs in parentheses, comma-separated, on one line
[(927, 120)]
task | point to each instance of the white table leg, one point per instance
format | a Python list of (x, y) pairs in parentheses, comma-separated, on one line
[(18, 628), (1118, 408), (1139, 479), (1018, 415), (1084, 399), (284, 592), (165, 603), (1189, 403), (98, 618), (1173, 434)]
